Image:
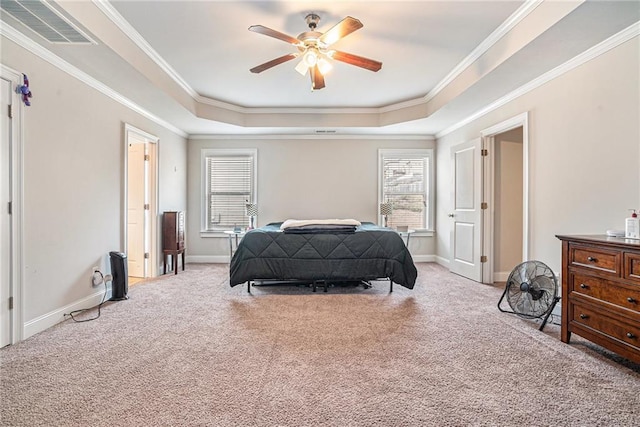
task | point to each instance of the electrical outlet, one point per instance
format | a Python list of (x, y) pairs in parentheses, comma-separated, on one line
[(97, 277)]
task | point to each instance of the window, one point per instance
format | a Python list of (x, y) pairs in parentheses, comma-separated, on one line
[(406, 182), (229, 178)]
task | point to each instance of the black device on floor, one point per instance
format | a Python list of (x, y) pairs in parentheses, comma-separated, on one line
[(119, 284)]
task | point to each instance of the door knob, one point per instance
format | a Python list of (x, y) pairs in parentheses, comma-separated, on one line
[(450, 215)]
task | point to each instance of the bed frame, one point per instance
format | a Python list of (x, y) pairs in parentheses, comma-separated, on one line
[(368, 253), (314, 283)]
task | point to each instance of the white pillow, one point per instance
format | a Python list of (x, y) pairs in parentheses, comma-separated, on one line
[(302, 222)]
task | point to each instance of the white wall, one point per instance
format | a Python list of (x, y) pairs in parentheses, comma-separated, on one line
[(584, 152), (302, 178), (73, 152)]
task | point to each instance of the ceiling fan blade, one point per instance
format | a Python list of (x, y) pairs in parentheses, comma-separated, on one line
[(343, 28), (317, 79), (261, 29), (358, 61), (260, 68)]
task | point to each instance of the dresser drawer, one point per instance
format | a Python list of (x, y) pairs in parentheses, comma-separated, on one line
[(632, 266), (628, 333), (601, 260), (625, 296)]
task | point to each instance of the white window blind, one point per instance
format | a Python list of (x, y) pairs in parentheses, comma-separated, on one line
[(229, 187), (406, 185)]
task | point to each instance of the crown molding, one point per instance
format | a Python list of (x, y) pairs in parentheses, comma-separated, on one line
[(19, 38), (483, 47), (480, 50), (25, 42), (219, 104), (284, 110), (402, 105), (312, 110), (263, 137), (31, 46), (124, 26), (603, 47), (494, 37), (137, 38)]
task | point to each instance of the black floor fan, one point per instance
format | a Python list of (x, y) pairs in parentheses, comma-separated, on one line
[(531, 291)]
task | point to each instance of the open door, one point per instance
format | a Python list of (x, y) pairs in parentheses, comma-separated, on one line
[(141, 202), (466, 214), (136, 203), (11, 196), (5, 217)]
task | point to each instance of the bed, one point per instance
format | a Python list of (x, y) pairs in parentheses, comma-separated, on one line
[(322, 255)]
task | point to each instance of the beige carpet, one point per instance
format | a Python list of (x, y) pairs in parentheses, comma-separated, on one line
[(190, 350)]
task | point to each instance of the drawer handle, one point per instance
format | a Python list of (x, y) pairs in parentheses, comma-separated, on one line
[(631, 300), (583, 286), (630, 335), (592, 259), (583, 316)]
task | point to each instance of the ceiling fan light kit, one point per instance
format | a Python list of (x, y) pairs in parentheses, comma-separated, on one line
[(313, 49)]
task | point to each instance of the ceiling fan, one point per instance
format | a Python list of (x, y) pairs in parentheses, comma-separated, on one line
[(313, 49)]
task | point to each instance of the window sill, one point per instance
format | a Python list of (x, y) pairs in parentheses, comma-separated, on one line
[(423, 233), (213, 233)]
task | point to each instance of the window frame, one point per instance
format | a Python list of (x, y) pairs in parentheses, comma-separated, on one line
[(206, 153), (411, 153)]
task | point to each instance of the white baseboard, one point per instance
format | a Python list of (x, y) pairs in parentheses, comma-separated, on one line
[(442, 261), (423, 258), (222, 259), (47, 320), (207, 259), (501, 276)]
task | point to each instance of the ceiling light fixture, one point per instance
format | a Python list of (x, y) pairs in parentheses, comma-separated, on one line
[(302, 67), (311, 57), (313, 49), (324, 66)]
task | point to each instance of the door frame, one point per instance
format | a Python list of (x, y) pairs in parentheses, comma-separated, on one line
[(488, 188), (153, 180), (17, 199)]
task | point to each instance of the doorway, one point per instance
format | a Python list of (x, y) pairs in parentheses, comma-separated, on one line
[(506, 190), (141, 201), (490, 194), (508, 203)]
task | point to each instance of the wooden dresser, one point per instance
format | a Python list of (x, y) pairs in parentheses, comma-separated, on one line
[(173, 238), (601, 292)]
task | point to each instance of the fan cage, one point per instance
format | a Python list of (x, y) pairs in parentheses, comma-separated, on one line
[(531, 291)]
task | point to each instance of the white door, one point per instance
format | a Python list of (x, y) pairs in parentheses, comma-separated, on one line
[(5, 217), (136, 209), (466, 214)]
